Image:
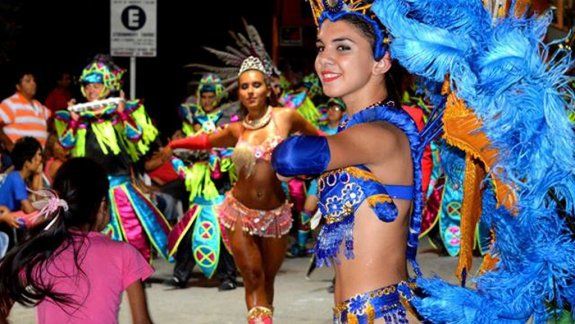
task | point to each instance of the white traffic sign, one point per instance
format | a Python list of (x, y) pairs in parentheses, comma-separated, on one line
[(133, 28)]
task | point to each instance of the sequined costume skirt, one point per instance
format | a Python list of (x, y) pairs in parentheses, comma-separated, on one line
[(390, 303), (266, 223)]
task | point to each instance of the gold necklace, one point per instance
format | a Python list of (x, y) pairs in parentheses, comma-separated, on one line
[(260, 122)]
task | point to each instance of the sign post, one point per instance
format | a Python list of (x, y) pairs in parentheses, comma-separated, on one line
[(133, 32)]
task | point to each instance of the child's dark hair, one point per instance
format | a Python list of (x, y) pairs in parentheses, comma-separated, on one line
[(24, 151), (83, 184)]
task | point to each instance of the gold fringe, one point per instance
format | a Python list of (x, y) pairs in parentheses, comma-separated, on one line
[(407, 305), (244, 159), (489, 263), (378, 199), (351, 318), (462, 130), (352, 171), (470, 212), (370, 313)]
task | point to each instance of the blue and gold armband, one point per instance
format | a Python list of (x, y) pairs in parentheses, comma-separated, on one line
[(301, 155)]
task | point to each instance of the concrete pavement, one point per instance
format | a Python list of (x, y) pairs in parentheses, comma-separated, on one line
[(297, 300)]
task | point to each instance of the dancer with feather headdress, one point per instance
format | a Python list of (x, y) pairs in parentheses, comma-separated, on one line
[(505, 105), (255, 212)]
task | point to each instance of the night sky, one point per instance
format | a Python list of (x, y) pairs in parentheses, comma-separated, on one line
[(65, 34)]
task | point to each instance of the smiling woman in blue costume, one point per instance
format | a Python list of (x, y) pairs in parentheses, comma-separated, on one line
[(370, 183), (115, 134)]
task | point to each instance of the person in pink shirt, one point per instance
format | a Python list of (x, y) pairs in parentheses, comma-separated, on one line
[(67, 268)]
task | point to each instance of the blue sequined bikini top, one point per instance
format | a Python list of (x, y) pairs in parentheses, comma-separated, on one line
[(342, 191)]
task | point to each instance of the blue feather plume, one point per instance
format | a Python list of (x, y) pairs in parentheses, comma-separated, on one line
[(507, 76)]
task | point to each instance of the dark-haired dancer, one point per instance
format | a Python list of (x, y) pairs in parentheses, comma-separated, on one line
[(370, 179)]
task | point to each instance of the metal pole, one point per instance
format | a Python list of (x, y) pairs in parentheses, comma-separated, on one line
[(132, 77)]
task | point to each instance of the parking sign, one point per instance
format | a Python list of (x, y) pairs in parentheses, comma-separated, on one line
[(133, 28)]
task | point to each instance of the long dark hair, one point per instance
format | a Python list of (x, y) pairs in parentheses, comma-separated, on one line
[(395, 74), (83, 184)]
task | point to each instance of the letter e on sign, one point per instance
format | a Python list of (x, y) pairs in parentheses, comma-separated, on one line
[(133, 17)]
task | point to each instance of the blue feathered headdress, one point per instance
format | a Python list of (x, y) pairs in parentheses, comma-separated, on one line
[(507, 76)]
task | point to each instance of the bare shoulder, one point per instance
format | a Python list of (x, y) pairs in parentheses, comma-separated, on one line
[(284, 116), (377, 131), (283, 112), (235, 128)]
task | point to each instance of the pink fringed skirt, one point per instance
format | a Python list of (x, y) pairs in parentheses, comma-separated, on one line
[(266, 223)]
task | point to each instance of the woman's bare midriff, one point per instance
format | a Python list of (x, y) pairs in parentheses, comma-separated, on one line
[(379, 250), (262, 190)]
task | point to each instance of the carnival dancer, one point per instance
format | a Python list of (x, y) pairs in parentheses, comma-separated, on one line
[(116, 134), (370, 184), (197, 238), (255, 212)]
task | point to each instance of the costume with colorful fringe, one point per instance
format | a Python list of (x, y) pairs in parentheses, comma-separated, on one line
[(342, 191), (507, 109), (207, 180), (117, 139)]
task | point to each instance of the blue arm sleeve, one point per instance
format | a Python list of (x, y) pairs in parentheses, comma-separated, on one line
[(301, 155)]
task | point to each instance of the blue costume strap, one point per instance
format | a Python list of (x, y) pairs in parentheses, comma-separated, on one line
[(301, 155), (395, 191), (403, 121), (399, 192)]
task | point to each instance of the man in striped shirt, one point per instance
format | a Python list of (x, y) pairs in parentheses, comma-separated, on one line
[(21, 115)]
